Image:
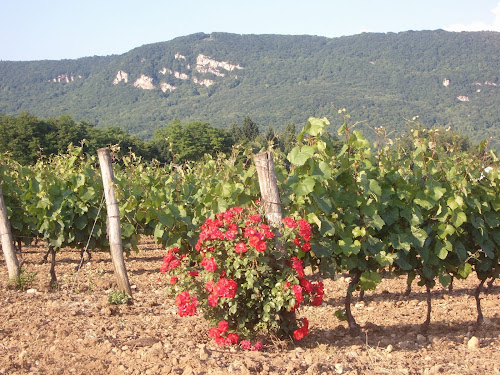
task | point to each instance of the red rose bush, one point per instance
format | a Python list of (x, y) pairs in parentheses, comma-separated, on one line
[(245, 276)]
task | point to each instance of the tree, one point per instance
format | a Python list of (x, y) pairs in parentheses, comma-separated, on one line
[(180, 143), (249, 129), (288, 138), (25, 137)]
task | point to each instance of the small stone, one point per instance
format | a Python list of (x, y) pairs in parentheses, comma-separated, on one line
[(473, 343), (106, 311), (421, 339), (339, 369), (31, 291), (435, 369), (389, 348), (308, 359), (204, 354), (166, 369)]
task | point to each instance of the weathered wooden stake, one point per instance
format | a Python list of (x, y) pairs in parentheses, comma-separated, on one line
[(113, 214), (269, 187), (7, 243)]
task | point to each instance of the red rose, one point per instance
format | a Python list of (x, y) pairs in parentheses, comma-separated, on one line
[(296, 241), (232, 339), (182, 298), (297, 266), (223, 326), (230, 235), (240, 248), (297, 290), (245, 344), (261, 246), (303, 331), (249, 232), (253, 241), (306, 284), (213, 298), (209, 285), (209, 264), (257, 346), (289, 222), (300, 333), (214, 332), (255, 218), (226, 288), (317, 301)]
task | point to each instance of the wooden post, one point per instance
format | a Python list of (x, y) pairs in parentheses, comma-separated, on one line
[(269, 188), (113, 215), (7, 243)]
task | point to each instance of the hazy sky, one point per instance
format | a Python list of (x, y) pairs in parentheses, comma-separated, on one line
[(58, 29)]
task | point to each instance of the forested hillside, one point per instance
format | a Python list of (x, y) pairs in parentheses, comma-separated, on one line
[(448, 79)]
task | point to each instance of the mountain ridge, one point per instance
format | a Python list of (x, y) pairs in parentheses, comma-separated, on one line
[(448, 79)]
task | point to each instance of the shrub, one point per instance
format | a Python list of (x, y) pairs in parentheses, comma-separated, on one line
[(244, 275)]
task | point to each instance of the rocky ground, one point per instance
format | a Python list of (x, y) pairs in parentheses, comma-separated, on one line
[(75, 330)]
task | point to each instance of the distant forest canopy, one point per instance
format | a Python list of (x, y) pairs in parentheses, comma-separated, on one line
[(28, 138), (448, 79)]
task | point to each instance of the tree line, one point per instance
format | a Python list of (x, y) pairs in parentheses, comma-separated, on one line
[(28, 138)]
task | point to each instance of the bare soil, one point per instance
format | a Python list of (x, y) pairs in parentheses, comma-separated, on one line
[(75, 330)]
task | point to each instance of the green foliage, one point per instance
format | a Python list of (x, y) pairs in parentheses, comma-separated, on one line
[(119, 297), (414, 208), (27, 138), (180, 143), (22, 282)]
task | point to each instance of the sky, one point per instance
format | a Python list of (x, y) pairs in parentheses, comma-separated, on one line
[(69, 29)]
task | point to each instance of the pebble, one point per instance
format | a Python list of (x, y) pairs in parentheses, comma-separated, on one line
[(434, 369), (389, 348), (421, 339), (473, 343), (339, 369), (31, 291), (204, 353)]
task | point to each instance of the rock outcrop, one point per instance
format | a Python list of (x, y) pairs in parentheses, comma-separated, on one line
[(144, 82), (120, 76)]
